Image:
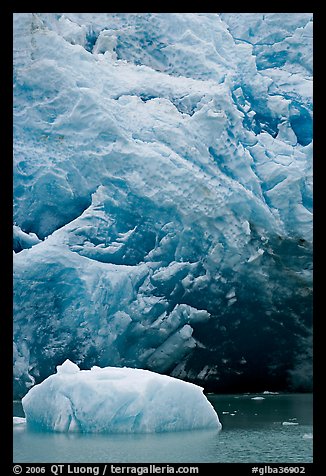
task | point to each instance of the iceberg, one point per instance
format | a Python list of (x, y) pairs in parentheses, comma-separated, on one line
[(19, 421), (116, 400), (163, 196)]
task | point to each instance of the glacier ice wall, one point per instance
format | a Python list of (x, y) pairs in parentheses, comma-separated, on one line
[(163, 196)]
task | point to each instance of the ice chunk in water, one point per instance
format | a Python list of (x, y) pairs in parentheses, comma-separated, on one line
[(116, 400), (18, 421)]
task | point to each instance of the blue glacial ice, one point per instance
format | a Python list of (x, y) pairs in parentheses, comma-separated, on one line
[(163, 196), (116, 400)]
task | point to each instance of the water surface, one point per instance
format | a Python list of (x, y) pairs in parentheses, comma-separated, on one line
[(277, 428)]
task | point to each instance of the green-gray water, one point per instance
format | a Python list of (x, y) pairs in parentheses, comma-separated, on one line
[(276, 428)]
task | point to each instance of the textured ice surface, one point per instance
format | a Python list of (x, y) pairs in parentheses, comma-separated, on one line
[(163, 196), (116, 400)]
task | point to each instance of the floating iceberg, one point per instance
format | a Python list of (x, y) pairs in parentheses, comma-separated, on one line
[(116, 400), (18, 421)]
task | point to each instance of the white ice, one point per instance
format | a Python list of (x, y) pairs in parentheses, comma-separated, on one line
[(116, 400), (17, 421)]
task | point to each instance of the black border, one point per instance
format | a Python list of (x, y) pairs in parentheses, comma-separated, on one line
[(6, 328)]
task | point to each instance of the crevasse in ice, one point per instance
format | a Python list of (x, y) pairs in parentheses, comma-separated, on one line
[(116, 400), (163, 196)]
